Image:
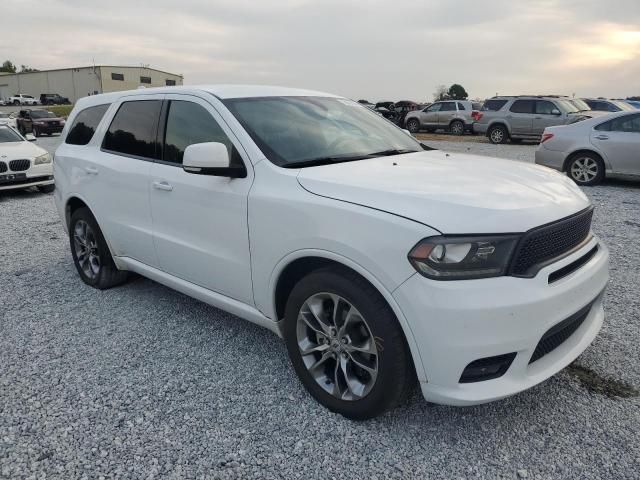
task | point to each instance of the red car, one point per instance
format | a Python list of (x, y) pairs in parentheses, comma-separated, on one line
[(39, 122)]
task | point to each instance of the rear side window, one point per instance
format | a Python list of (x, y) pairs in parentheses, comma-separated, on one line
[(522, 106), (628, 123), (189, 123), (493, 105), (133, 129), (461, 106), (85, 124)]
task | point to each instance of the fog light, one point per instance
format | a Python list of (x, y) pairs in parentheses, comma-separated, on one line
[(487, 368)]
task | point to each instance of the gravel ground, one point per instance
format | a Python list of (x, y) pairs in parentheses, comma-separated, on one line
[(143, 382)]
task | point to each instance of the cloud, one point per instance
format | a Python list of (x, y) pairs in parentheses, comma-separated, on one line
[(373, 49)]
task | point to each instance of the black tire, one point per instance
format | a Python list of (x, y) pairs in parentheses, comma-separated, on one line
[(498, 134), (108, 274), (586, 169), (396, 376), (413, 125), (47, 188), (456, 127)]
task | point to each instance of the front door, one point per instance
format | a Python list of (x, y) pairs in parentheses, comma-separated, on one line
[(200, 221), (547, 115), (429, 116), (447, 113)]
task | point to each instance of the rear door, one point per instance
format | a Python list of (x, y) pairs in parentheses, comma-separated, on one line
[(447, 113), (520, 117), (200, 221), (619, 140), (544, 116), (117, 174)]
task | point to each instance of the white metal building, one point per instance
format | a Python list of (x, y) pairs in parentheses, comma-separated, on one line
[(75, 83)]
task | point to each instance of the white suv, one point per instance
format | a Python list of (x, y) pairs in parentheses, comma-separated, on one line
[(378, 261)]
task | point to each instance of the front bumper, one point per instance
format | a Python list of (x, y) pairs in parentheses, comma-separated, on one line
[(456, 323), (479, 128), (48, 129)]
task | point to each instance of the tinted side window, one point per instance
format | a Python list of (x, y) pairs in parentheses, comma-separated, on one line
[(544, 107), (628, 123), (448, 107), (461, 106), (433, 108), (85, 124), (189, 123), (133, 129), (606, 126), (493, 105), (522, 106)]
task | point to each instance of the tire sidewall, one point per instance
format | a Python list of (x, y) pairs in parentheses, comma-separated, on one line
[(103, 249), (595, 180), (383, 326)]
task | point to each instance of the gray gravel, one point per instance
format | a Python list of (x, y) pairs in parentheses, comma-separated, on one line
[(143, 382)]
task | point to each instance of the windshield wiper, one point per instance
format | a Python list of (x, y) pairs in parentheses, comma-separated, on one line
[(393, 151), (314, 162)]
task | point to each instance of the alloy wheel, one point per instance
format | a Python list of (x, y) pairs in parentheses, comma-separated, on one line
[(584, 169), (86, 249), (497, 135), (337, 346), (457, 128)]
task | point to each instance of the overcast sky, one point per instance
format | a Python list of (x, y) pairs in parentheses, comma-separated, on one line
[(376, 49)]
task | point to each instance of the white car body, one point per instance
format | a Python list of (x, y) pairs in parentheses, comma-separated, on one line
[(21, 99), (7, 120), (365, 215), (18, 168), (619, 150)]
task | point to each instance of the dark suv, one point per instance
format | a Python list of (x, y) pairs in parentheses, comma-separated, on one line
[(39, 122), (53, 99)]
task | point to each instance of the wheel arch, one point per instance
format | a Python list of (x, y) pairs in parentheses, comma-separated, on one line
[(498, 123), (295, 266), (572, 155)]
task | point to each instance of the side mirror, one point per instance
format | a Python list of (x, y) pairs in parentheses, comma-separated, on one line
[(30, 137), (211, 158), (555, 111)]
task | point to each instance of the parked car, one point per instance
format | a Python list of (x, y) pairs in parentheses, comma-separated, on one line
[(39, 122), (53, 99), (634, 103), (524, 117), (20, 99), (8, 119), (455, 116), (390, 115), (594, 149), (377, 261), (402, 108), (606, 105), (23, 164)]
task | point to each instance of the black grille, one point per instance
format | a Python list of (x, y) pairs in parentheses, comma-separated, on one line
[(560, 332), (3, 167), (19, 165), (550, 241)]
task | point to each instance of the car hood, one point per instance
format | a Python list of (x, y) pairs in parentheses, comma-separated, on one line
[(16, 150), (451, 192)]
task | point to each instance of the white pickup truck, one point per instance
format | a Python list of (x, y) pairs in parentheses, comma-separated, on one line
[(20, 99)]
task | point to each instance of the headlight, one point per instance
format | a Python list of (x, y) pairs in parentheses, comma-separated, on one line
[(463, 257), (38, 123), (42, 159)]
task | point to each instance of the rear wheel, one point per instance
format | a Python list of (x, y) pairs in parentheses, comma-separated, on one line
[(346, 345), (586, 169), (498, 134), (456, 127), (413, 125), (90, 252)]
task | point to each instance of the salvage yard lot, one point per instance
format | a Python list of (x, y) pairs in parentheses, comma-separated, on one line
[(141, 381)]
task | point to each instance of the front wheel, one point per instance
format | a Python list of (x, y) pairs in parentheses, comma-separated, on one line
[(90, 252), (413, 125), (586, 169), (346, 345)]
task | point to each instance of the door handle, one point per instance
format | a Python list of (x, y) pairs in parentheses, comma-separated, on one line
[(162, 186), (91, 170), (602, 137)]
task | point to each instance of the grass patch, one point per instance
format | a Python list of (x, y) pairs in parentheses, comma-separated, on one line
[(59, 110)]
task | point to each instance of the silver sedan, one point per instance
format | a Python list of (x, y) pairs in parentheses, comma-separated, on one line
[(590, 150)]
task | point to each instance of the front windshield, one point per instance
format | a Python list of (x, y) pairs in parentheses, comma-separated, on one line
[(581, 105), (8, 135), (294, 131), (567, 106), (42, 114), (623, 105)]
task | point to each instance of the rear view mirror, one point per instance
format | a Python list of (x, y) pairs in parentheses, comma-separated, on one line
[(30, 137), (211, 158)]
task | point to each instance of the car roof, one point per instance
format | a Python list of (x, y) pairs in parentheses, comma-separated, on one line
[(221, 91)]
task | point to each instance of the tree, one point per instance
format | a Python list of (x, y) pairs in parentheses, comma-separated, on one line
[(8, 66), (441, 93), (25, 69), (457, 92)]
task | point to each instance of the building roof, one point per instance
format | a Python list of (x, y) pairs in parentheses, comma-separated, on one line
[(93, 66)]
